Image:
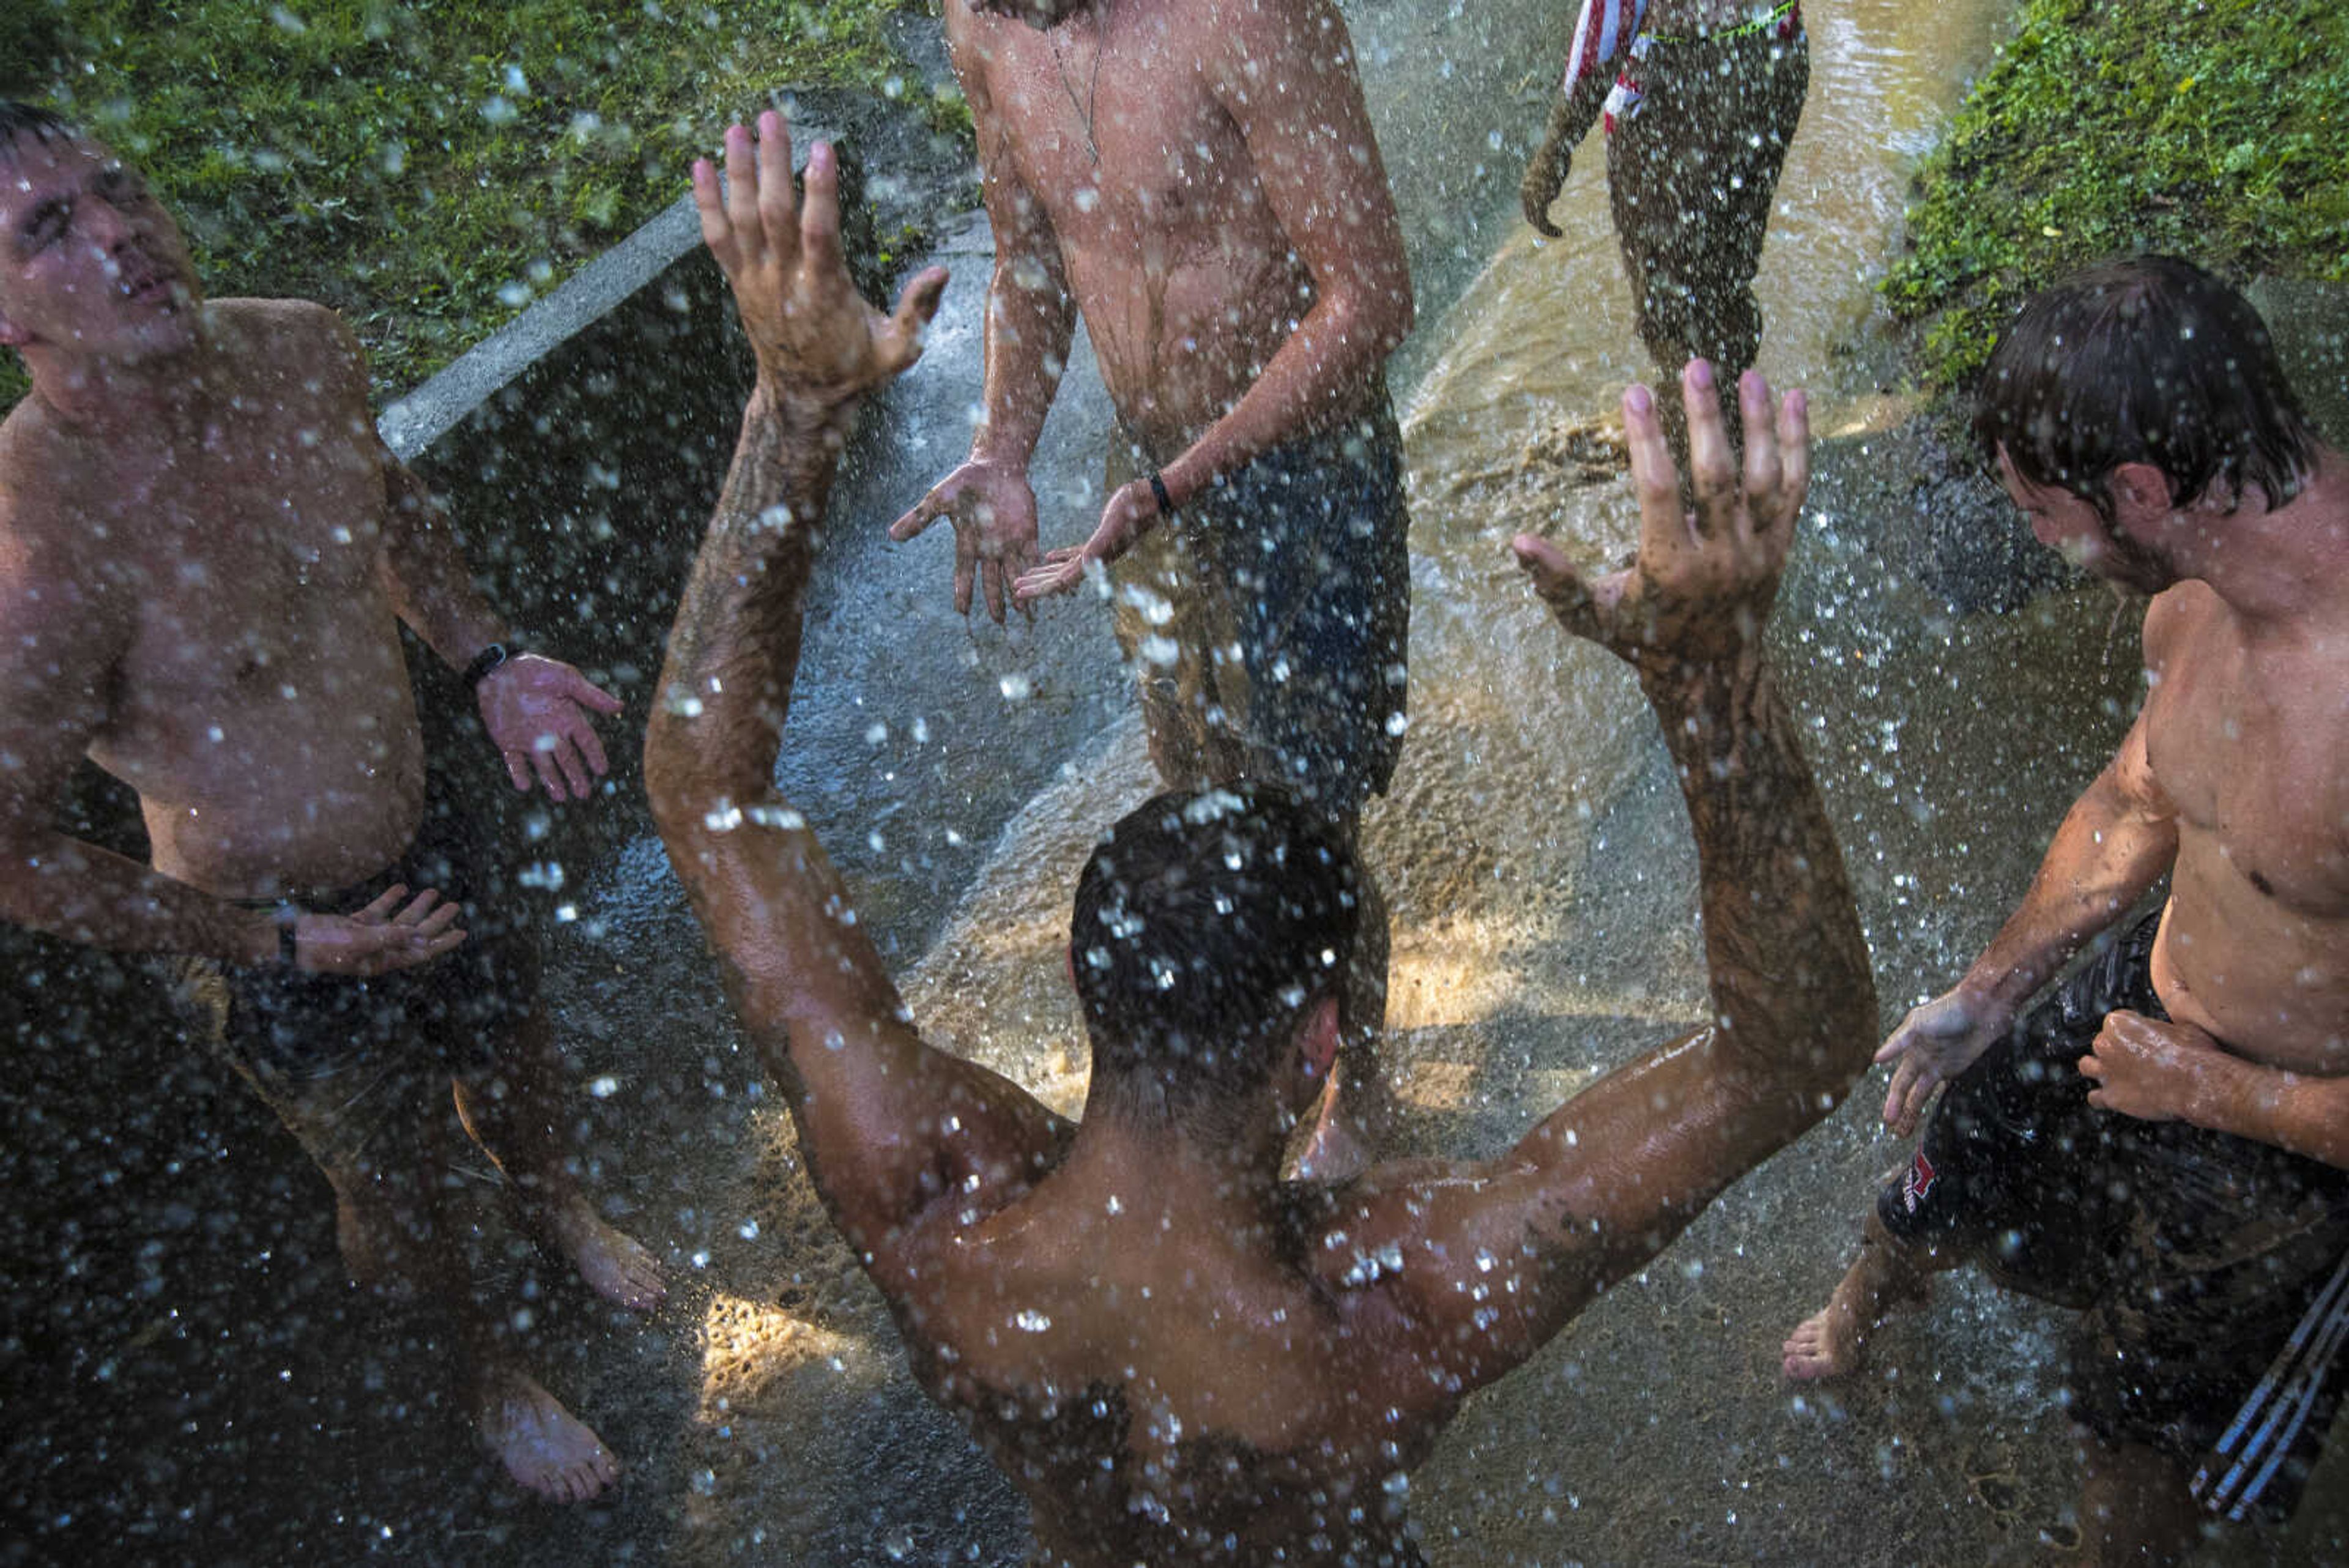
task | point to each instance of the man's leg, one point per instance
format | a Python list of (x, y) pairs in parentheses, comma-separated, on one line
[(442, 1230), (512, 1107), (482, 1005), (2135, 1510), (1887, 1274)]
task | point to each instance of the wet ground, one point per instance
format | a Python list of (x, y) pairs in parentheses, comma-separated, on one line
[(188, 1379)]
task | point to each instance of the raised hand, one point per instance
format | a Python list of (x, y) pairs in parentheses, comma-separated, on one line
[(1704, 579), (536, 711), (814, 336), (1937, 1041), (385, 936), (993, 509), (1131, 512)]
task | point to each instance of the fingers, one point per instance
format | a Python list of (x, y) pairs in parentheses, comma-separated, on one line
[(717, 233), (991, 580), (741, 194), (550, 777), (587, 694), (1061, 571), (1559, 586), (591, 748), (384, 905), (1712, 470), (775, 202), (1663, 526), (927, 511), (965, 568), (517, 763), (1765, 469), (918, 302), (1793, 455), (819, 234)]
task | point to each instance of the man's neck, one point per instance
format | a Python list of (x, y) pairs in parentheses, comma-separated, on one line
[(104, 398), (2277, 566), (1158, 1173)]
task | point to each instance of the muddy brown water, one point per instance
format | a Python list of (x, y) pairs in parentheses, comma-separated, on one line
[(1542, 884)]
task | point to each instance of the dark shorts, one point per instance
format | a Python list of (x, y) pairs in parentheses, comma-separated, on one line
[(1691, 175), (342, 1060), (2193, 1254), (1268, 623)]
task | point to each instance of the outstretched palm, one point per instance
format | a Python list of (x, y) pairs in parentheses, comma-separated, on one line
[(1704, 579), (813, 332)]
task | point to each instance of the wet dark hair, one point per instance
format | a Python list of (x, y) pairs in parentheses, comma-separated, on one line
[(1206, 925), (19, 119), (2149, 359)]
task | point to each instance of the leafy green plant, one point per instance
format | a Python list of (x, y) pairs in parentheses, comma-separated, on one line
[(2214, 130), (429, 167)]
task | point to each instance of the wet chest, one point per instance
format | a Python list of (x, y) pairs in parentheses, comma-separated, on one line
[(1123, 150), (2252, 752), (253, 553)]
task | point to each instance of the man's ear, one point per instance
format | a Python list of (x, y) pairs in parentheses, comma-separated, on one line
[(2140, 493), (10, 334), (1317, 1041)]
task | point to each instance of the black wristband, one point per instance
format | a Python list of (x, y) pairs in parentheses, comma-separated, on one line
[(289, 946), (1158, 493), (489, 658)]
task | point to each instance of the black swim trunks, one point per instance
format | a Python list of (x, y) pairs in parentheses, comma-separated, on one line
[(2192, 1254), (1268, 623), (342, 1059)]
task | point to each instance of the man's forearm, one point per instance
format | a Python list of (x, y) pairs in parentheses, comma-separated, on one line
[(2308, 1116), (1792, 992), (733, 652), (1322, 372), (432, 588), (1030, 323), (68, 888), (2104, 857)]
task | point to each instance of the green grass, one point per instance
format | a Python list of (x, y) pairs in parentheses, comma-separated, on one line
[(2215, 130), (427, 168)]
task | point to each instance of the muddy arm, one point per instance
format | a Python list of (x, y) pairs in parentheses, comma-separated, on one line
[(887, 1123), (1582, 93), (1615, 1174)]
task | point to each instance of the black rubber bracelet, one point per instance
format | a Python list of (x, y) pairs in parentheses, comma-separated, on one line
[(489, 658), (1158, 492), (289, 945)]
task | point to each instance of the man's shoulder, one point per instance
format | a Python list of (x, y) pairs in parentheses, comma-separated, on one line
[(286, 334), (44, 463)]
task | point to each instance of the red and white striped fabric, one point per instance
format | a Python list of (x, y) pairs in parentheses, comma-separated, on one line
[(1604, 30)]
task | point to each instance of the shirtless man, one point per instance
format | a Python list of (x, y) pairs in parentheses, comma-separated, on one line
[(1175, 1356), (203, 552), (2163, 1141), (1699, 100), (1198, 177)]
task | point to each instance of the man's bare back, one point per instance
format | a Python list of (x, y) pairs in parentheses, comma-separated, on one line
[(1174, 1355)]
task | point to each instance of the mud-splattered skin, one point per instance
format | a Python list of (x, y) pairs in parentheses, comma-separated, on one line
[(1176, 1357), (1201, 181)]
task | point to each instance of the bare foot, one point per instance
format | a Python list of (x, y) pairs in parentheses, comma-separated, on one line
[(1833, 1342), (543, 1446), (615, 1265), (1828, 1344)]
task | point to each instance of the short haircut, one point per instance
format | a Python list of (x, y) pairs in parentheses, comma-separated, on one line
[(19, 119), (1207, 924), (2149, 359)]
